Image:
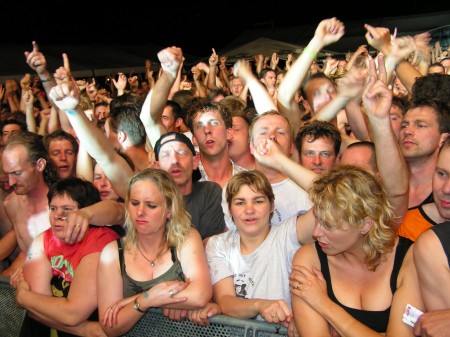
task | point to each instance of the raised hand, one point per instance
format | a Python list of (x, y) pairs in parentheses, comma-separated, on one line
[(36, 60), (65, 95), (121, 83), (25, 81), (379, 38), (213, 59), (274, 61), (377, 97), (243, 69), (196, 73), (329, 31), (171, 59), (63, 74)]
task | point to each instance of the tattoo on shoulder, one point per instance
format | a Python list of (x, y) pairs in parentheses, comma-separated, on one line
[(29, 254)]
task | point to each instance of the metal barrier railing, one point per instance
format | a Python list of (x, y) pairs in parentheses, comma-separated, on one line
[(152, 323), (11, 316)]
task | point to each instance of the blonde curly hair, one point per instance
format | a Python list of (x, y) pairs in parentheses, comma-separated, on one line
[(350, 194)]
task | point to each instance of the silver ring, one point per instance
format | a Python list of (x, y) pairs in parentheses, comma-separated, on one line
[(171, 292), (298, 286)]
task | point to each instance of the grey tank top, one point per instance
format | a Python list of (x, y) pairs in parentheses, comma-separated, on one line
[(132, 287)]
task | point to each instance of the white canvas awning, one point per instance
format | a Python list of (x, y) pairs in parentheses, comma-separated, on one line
[(265, 47)]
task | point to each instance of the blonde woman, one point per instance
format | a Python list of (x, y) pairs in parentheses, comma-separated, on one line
[(357, 278), (159, 263)]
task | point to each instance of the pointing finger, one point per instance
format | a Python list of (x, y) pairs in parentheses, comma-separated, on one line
[(66, 62), (35, 46)]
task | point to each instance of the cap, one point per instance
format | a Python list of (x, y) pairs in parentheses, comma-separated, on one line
[(177, 137)]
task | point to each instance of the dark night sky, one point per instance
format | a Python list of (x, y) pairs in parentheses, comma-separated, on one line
[(195, 25)]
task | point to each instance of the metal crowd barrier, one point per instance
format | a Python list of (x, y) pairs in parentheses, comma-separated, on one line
[(152, 323), (11, 316)]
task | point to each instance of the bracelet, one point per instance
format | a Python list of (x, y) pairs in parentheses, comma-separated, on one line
[(137, 306), (71, 112), (48, 79), (313, 54)]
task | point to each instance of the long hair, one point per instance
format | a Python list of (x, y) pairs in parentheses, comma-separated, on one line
[(350, 194), (178, 225)]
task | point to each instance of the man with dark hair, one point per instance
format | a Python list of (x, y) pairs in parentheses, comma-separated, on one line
[(172, 116), (318, 144), (127, 133), (424, 127), (11, 127), (62, 149), (211, 127)]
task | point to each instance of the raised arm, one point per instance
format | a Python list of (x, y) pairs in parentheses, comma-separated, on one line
[(328, 31), (171, 59), (37, 61), (66, 97), (380, 39), (27, 99), (213, 60), (377, 99), (261, 98)]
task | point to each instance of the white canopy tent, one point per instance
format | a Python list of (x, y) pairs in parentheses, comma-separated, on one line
[(265, 47)]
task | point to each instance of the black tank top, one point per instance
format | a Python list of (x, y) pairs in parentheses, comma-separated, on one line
[(442, 231), (376, 320)]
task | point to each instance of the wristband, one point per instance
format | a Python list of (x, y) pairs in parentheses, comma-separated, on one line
[(71, 112), (48, 79), (313, 54)]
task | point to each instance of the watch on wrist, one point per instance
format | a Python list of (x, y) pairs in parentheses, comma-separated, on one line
[(137, 306)]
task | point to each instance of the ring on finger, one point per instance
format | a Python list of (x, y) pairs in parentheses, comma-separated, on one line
[(77, 225), (274, 315), (171, 292), (298, 285)]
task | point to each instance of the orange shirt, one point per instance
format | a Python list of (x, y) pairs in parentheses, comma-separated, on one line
[(415, 223)]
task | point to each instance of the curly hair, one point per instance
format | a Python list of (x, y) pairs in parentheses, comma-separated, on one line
[(350, 194), (178, 225)]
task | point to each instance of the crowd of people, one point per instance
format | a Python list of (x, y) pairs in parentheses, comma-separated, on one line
[(312, 197)]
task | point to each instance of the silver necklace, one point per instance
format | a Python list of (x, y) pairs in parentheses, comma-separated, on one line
[(152, 262)]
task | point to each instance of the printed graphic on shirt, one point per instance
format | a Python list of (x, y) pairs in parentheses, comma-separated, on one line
[(241, 284)]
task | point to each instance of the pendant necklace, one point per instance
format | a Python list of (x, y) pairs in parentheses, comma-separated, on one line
[(152, 262)]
